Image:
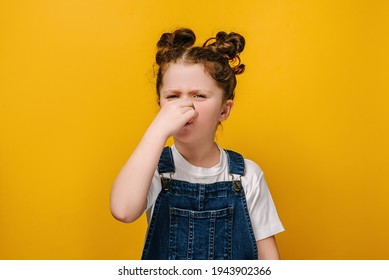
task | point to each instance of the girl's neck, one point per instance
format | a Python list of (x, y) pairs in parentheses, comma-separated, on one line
[(204, 155)]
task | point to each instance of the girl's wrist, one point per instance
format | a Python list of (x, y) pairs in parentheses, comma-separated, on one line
[(155, 133)]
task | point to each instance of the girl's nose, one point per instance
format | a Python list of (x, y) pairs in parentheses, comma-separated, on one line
[(187, 99)]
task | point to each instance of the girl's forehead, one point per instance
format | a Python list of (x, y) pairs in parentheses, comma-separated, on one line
[(187, 76)]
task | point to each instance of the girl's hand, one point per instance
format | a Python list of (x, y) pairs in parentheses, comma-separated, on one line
[(173, 116), (130, 189)]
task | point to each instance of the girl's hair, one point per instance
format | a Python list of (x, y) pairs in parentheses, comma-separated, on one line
[(219, 55)]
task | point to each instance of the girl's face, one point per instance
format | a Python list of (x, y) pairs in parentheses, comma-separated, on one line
[(193, 83)]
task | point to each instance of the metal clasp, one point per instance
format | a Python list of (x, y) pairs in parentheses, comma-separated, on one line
[(166, 182), (236, 184)]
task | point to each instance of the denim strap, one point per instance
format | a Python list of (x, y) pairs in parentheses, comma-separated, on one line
[(235, 163), (166, 163)]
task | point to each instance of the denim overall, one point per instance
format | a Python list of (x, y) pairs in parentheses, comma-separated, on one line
[(200, 221)]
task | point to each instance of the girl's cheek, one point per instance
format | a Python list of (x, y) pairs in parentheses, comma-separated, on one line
[(199, 109), (199, 106)]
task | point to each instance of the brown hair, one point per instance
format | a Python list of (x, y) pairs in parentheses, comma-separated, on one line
[(219, 55)]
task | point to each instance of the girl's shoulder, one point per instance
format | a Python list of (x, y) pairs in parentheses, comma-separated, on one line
[(254, 173), (250, 165), (252, 169), (253, 180)]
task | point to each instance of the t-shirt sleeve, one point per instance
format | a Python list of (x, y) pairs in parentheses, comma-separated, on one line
[(154, 190), (262, 211)]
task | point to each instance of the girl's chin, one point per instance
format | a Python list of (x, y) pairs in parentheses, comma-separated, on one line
[(182, 137), (185, 136)]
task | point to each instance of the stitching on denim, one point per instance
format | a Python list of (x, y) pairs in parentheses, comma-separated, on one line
[(171, 235), (171, 159), (254, 243), (190, 238), (150, 231)]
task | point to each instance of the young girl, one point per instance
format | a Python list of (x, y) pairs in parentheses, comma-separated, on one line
[(202, 202)]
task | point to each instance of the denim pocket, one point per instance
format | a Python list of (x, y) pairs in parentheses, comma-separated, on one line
[(200, 234)]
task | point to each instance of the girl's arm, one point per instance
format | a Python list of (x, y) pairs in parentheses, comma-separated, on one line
[(267, 249), (130, 189)]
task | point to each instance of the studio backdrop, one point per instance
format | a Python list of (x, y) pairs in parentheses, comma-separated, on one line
[(77, 92)]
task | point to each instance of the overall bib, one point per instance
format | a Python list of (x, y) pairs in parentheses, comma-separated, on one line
[(200, 221)]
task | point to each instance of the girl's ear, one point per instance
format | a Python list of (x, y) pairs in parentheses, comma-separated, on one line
[(226, 110)]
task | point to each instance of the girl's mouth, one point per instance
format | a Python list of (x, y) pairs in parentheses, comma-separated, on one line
[(188, 123)]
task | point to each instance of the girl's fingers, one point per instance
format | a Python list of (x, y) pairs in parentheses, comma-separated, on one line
[(183, 103), (191, 115), (175, 114)]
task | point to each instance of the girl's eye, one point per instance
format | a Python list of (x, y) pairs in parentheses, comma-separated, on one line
[(172, 96), (199, 96)]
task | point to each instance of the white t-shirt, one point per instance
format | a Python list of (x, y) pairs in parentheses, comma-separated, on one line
[(262, 211)]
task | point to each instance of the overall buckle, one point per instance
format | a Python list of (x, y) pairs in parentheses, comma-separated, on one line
[(166, 182), (236, 184)]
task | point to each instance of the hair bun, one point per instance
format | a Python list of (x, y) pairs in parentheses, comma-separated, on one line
[(178, 40), (229, 46)]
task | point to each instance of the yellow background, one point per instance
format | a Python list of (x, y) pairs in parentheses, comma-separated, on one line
[(77, 94)]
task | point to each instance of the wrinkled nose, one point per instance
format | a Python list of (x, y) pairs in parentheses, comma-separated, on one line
[(188, 99)]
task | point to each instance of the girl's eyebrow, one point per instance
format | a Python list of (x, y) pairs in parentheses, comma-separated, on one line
[(191, 91), (170, 91), (199, 90)]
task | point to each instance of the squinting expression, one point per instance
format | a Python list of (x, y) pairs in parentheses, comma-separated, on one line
[(191, 82)]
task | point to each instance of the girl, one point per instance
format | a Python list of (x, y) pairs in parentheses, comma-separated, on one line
[(202, 202)]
